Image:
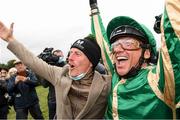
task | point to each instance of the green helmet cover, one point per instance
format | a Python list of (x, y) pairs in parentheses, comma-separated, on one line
[(125, 20)]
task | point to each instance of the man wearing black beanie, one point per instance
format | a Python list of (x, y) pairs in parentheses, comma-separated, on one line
[(90, 48), (81, 92)]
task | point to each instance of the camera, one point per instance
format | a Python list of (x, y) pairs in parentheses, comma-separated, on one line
[(48, 57)]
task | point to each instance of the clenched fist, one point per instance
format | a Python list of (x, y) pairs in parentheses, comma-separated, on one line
[(93, 4), (20, 78)]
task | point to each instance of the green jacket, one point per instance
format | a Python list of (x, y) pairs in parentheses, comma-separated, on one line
[(154, 92)]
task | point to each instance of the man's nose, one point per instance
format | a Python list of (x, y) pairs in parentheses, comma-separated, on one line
[(71, 56)]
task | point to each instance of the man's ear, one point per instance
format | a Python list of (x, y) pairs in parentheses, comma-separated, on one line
[(147, 54), (91, 65)]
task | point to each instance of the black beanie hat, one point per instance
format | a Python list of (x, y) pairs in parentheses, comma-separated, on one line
[(90, 48)]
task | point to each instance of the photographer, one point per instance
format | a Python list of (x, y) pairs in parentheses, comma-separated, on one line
[(3, 93), (53, 58)]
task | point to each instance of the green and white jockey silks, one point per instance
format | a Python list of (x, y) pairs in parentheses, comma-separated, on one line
[(154, 92)]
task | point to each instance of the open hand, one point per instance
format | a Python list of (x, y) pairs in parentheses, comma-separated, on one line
[(5, 33)]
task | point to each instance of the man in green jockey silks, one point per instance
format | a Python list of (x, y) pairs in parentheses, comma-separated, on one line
[(140, 89)]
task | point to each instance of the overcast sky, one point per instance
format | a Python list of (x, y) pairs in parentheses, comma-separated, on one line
[(58, 23)]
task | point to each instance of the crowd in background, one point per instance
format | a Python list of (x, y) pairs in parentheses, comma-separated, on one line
[(17, 88)]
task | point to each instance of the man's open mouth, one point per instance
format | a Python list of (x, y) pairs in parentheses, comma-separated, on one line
[(122, 58), (71, 66)]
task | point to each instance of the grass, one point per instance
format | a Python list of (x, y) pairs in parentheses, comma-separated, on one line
[(42, 94)]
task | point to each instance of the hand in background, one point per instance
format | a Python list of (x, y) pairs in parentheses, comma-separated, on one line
[(20, 78)]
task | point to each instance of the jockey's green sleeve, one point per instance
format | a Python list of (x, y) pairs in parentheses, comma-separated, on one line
[(170, 52), (100, 34), (155, 91)]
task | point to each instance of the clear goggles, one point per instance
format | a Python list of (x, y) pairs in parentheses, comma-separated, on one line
[(127, 43)]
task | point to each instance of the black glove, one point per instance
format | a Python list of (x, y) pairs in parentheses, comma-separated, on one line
[(93, 4), (157, 24)]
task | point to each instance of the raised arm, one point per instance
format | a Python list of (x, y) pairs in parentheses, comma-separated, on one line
[(29, 59), (167, 77), (99, 31), (170, 50)]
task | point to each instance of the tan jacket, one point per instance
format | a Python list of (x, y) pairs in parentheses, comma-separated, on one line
[(97, 99)]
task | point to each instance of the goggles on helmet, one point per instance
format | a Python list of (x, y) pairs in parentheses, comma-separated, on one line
[(127, 43)]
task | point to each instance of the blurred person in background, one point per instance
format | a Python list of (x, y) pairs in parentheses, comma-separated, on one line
[(22, 86), (12, 71), (55, 58), (3, 93)]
